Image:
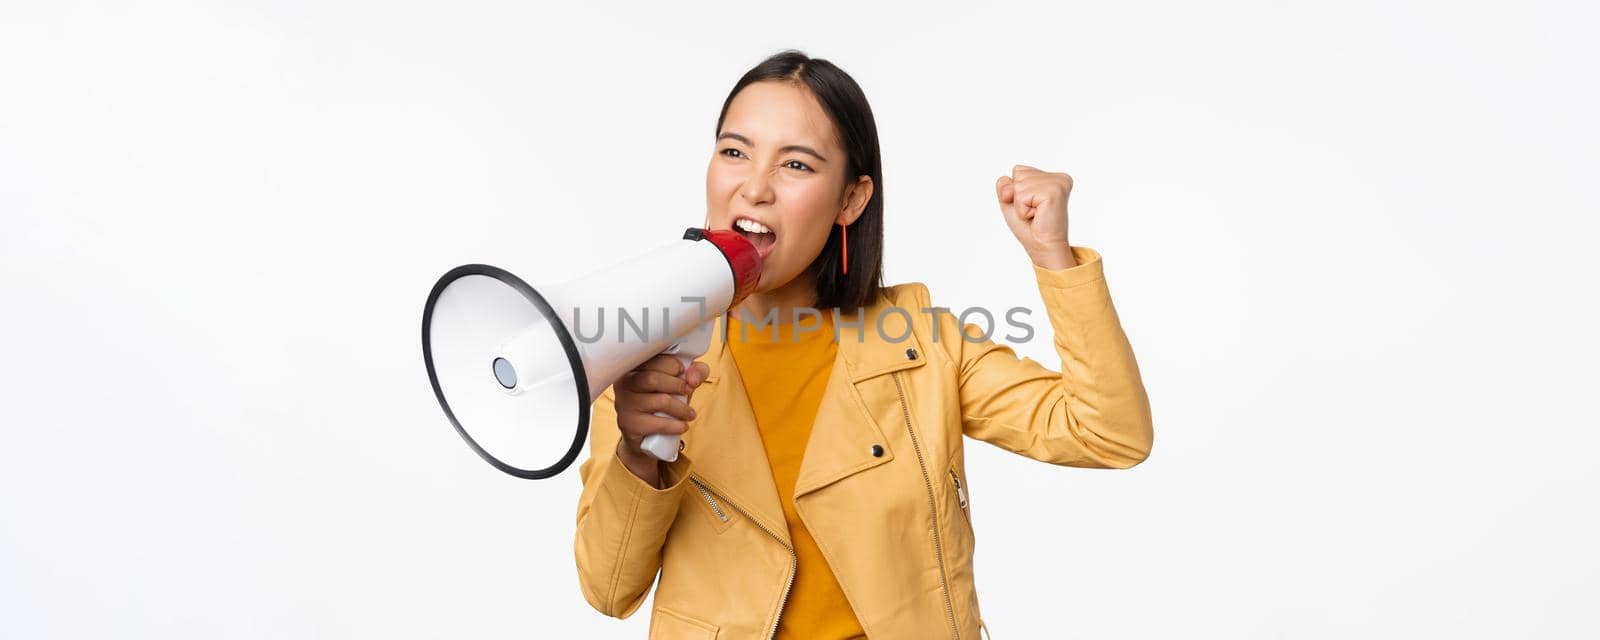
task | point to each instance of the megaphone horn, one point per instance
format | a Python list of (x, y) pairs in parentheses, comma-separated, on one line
[(516, 372)]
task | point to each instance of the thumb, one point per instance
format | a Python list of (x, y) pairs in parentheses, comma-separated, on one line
[(698, 372), (1004, 191)]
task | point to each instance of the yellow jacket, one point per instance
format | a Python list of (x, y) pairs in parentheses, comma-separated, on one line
[(882, 487)]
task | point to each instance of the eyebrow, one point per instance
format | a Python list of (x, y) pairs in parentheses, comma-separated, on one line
[(787, 148)]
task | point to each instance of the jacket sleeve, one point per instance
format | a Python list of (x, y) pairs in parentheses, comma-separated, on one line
[(1093, 413), (622, 520)]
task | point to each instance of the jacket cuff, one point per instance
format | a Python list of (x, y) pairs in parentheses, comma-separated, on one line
[(1078, 303), (618, 544), (622, 484), (1088, 269)]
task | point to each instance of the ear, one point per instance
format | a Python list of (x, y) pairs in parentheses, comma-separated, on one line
[(856, 198)]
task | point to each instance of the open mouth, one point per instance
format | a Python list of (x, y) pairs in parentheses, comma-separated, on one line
[(759, 235)]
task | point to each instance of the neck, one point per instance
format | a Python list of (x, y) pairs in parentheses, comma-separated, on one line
[(797, 293)]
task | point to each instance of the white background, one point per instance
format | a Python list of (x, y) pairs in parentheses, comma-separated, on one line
[(1351, 244)]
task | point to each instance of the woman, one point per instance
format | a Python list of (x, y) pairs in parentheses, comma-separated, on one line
[(821, 491)]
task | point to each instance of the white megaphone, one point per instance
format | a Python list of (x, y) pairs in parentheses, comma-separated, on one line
[(516, 368)]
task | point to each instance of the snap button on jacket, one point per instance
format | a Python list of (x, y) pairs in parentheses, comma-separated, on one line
[(882, 487)]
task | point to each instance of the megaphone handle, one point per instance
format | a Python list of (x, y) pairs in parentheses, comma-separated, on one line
[(664, 446)]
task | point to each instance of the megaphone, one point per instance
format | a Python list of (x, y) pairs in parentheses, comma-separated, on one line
[(516, 368)]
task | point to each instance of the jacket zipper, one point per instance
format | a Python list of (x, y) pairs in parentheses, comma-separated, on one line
[(961, 493), (794, 559), (715, 508), (933, 507)]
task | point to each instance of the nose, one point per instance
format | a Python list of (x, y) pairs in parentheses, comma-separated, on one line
[(756, 188)]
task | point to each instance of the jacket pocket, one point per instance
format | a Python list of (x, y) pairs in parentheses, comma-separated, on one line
[(956, 482), (719, 515), (666, 624), (962, 544), (961, 494)]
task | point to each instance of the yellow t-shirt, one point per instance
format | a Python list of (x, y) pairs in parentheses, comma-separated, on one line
[(785, 379)]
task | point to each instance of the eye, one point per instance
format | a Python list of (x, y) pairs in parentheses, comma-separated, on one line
[(796, 164), (731, 150)]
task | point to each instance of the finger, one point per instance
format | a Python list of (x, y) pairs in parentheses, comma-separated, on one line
[(651, 403), (1019, 199), (668, 364), (644, 424), (1003, 190), (1021, 171), (698, 372), (664, 403), (1028, 201), (1010, 210), (1066, 178), (655, 382)]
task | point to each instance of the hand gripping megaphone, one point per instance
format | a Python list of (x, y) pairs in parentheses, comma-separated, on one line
[(516, 368)]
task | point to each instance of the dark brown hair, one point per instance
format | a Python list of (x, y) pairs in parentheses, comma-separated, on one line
[(847, 107)]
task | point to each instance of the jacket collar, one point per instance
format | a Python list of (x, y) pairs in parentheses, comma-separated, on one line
[(730, 457)]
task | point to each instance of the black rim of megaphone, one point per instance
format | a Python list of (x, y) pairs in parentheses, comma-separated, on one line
[(562, 334)]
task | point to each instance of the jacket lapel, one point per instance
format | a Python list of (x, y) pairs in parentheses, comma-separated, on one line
[(727, 450), (845, 432), (730, 457)]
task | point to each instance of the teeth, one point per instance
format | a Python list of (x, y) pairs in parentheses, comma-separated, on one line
[(752, 226)]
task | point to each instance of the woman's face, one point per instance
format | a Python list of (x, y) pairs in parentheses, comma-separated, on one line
[(777, 177)]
